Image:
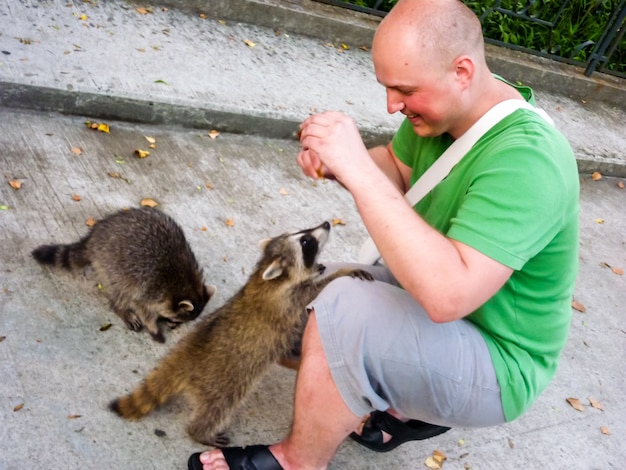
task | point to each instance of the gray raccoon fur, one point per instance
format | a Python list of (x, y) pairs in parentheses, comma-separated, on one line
[(145, 264), (217, 363)]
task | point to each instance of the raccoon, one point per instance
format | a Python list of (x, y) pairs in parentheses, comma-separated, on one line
[(144, 262), (217, 363)]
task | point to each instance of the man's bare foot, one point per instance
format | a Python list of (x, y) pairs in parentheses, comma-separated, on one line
[(213, 460)]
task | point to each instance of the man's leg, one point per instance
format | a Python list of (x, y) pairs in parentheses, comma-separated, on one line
[(321, 418)]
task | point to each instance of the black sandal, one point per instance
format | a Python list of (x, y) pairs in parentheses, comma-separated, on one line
[(414, 430), (256, 457)]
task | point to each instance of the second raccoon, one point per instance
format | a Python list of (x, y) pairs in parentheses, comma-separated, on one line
[(145, 264)]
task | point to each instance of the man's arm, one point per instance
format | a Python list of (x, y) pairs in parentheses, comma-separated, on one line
[(448, 278)]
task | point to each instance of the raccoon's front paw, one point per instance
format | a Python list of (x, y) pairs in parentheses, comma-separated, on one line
[(361, 274), (132, 321)]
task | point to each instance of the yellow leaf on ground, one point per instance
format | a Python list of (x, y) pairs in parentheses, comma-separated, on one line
[(18, 407), (604, 430), (147, 202), (618, 271), (76, 197), (599, 221), (578, 306), (103, 128), (336, 222), (76, 150), (152, 140), (213, 134), (90, 222), (575, 403), (141, 153), (74, 416), (15, 184), (283, 191), (596, 404), (596, 176), (230, 222), (249, 43), (620, 184), (143, 11)]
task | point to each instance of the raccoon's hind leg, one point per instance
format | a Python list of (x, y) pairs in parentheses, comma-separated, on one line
[(203, 424)]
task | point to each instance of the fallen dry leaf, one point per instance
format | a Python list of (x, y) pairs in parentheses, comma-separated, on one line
[(76, 197), (141, 153), (596, 176), (76, 150), (147, 202), (435, 461), (90, 222), (15, 184), (249, 43), (230, 222), (152, 140), (578, 306), (575, 403), (106, 326), (213, 134), (336, 222), (283, 191), (599, 221), (74, 416), (143, 11), (620, 184), (618, 271), (596, 404), (604, 430), (18, 407), (208, 186), (98, 126)]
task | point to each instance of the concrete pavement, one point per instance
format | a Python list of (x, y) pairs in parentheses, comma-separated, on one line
[(181, 76)]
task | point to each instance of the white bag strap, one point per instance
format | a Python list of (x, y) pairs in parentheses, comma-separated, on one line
[(442, 166)]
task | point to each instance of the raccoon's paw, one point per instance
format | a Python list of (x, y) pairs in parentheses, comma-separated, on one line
[(220, 439), (361, 274), (132, 321)]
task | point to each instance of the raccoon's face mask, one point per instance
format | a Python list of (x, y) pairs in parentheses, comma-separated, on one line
[(296, 252)]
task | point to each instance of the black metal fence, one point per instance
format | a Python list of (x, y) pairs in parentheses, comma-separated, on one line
[(585, 33)]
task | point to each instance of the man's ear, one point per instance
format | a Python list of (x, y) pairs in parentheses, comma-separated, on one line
[(464, 68)]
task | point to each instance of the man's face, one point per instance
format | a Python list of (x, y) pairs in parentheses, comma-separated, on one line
[(421, 89)]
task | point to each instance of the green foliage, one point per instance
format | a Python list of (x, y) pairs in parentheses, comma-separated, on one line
[(573, 36)]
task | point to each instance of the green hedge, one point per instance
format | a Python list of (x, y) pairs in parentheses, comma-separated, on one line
[(580, 26)]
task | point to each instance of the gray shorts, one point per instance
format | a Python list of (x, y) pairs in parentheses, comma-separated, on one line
[(384, 351)]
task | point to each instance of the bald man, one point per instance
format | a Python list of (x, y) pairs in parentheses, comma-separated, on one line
[(465, 323)]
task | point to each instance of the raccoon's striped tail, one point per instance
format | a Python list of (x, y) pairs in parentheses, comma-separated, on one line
[(70, 256), (145, 398)]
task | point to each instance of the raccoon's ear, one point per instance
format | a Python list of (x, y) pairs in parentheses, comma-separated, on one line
[(188, 306), (263, 243), (273, 270)]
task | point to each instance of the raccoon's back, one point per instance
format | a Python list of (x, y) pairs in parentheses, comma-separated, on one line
[(144, 245)]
